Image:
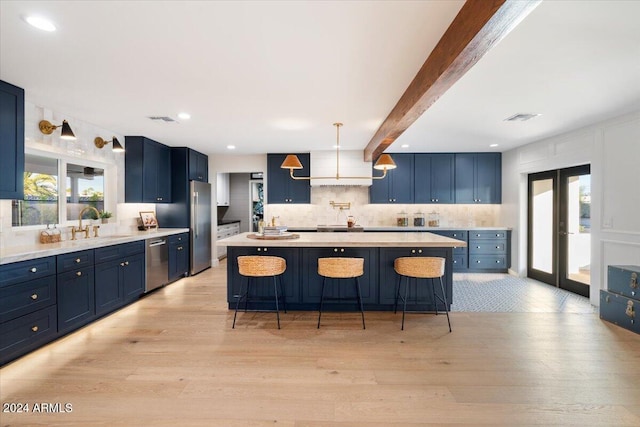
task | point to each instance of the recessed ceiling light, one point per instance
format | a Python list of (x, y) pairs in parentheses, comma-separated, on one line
[(184, 116), (404, 146), (40, 23), (231, 147), (493, 145)]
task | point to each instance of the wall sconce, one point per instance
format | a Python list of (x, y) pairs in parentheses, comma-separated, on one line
[(47, 128), (117, 147)]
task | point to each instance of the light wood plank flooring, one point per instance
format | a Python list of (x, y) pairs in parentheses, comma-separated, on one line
[(173, 359)]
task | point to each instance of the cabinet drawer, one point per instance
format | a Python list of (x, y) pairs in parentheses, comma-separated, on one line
[(624, 280), (459, 262), (487, 234), (620, 310), (27, 333), (111, 253), (492, 262), (178, 238), (454, 234), (27, 270), (75, 260), (479, 247), (26, 297)]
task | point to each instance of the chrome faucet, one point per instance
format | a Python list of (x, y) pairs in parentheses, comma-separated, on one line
[(86, 228)]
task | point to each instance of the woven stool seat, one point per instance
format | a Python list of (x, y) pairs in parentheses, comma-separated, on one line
[(261, 266), (341, 268), (256, 266), (420, 268)]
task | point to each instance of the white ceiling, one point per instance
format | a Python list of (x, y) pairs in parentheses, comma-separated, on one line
[(270, 76)]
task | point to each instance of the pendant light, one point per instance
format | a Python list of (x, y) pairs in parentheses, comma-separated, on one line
[(292, 162)]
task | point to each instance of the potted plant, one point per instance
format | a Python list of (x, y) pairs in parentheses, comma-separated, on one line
[(105, 215)]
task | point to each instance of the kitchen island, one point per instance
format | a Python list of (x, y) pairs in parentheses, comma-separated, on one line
[(302, 284)]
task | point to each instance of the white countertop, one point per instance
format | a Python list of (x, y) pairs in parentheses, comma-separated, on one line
[(41, 250), (368, 228), (372, 239)]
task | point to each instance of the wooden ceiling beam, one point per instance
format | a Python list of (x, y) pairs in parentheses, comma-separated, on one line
[(479, 26)]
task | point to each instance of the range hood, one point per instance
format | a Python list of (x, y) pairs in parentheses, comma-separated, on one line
[(323, 163)]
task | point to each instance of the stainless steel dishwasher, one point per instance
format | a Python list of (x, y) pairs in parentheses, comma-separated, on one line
[(157, 263)]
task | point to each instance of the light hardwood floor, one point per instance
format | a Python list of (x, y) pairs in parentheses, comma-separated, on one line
[(173, 359)]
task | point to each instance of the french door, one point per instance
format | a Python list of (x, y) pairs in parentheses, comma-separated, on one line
[(559, 228)]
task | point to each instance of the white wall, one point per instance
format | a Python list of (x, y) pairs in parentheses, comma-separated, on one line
[(613, 149)]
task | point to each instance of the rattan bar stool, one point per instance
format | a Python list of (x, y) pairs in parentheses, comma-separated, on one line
[(253, 266), (420, 268), (341, 268)]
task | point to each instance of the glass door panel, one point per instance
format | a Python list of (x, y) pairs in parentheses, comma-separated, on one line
[(542, 226)]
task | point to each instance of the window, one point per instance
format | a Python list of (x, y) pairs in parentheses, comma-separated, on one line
[(50, 197), (40, 204), (84, 187)]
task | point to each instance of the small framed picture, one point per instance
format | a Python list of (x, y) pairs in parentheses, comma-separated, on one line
[(148, 219)]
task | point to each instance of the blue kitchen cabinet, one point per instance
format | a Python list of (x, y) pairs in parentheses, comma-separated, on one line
[(340, 294), (434, 178), (398, 186), (147, 168), (460, 255), (198, 166), (478, 178), (489, 250), (27, 306), (11, 141), (178, 256), (262, 292), (76, 298), (120, 275), (419, 297), (281, 188)]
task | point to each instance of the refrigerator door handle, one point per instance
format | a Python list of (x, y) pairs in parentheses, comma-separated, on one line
[(195, 212)]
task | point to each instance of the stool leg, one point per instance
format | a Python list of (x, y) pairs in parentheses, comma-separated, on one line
[(446, 309), (395, 306), (324, 279), (238, 303), (433, 291), (404, 307), (246, 299), (275, 290), (360, 301)]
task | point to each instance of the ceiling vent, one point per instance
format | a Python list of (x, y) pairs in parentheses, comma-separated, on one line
[(521, 117), (162, 118)]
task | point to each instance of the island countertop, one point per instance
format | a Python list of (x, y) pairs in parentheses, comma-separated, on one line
[(372, 239)]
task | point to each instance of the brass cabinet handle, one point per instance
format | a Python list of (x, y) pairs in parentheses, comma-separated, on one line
[(634, 281), (33, 270), (34, 296), (413, 251), (126, 263), (335, 249), (79, 273), (34, 328), (122, 264), (77, 260), (419, 251)]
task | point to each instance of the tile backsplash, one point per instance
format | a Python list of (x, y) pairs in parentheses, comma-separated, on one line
[(319, 211)]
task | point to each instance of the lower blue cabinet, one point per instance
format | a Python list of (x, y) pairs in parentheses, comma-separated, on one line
[(27, 333), (76, 299), (178, 256), (120, 280), (340, 293)]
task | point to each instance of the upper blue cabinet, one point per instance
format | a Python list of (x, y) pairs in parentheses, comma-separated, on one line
[(281, 188), (147, 171), (478, 178), (398, 186), (434, 178), (198, 166), (11, 141)]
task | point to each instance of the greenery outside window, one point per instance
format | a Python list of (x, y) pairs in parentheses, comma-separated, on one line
[(40, 204), (84, 187)]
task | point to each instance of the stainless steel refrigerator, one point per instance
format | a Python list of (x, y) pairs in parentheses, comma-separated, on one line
[(200, 226)]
